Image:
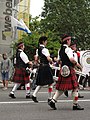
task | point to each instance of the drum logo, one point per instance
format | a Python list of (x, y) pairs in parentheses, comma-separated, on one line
[(85, 58), (88, 60)]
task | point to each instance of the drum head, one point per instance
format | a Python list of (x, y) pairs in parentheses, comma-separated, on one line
[(85, 59)]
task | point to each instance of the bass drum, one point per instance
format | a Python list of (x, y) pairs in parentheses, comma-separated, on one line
[(85, 61)]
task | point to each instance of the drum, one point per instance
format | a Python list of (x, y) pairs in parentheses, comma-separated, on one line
[(81, 79), (85, 61), (33, 76)]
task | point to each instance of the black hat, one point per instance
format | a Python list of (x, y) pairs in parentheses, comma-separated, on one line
[(20, 44)]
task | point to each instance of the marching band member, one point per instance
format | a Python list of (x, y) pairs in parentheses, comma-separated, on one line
[(73, 46), (44, 76), (67, 79), (20, 76)]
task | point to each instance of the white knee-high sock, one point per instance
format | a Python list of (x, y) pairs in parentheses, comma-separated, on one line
[(75, 97), (27, 87), (50, 89), (36, 91), (57, 94), (16, 85)]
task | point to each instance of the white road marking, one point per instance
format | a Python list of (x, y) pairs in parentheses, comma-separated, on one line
[(25, 102), (69, 92)]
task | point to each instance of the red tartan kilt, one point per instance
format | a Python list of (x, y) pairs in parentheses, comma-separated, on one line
[(20, 76), (67, 83)]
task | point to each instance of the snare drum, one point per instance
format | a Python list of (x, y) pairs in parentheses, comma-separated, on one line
[(80, 74), (81, 78)]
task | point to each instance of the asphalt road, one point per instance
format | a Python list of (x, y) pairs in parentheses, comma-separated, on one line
[(25, 109)]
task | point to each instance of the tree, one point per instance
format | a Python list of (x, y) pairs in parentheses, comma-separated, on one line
[(68, 16)]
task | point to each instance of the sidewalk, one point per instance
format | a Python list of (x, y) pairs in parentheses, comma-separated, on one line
[(10, 84)]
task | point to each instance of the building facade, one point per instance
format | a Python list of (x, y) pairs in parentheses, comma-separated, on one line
[(18, 9)]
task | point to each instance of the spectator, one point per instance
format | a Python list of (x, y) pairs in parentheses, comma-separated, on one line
[(5, 70)]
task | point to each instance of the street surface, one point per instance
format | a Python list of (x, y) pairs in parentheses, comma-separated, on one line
[(25, 109)]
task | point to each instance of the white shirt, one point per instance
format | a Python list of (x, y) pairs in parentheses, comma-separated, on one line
[(68, 51), (45, 51), (75, 56), (24, 57)]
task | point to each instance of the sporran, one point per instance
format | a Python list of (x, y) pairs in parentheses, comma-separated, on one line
[(65, 71)]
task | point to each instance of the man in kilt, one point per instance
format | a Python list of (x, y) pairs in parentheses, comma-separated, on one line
[(20, 76), (67, 82), (44, 76)]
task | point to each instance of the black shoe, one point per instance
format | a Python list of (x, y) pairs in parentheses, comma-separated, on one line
[(52, 105), (80, 96), (77, 107), (34, 99), (66, 93), (49, 100), (28, 97), (12, 95)]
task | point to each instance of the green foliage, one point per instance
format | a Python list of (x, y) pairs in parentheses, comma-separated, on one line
[(68, 16)]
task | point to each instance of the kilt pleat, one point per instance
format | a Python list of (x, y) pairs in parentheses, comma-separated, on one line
[(67, 83), (20, 76), (44, 76)]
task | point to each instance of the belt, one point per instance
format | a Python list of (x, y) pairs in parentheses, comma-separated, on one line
[(42, 64)]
